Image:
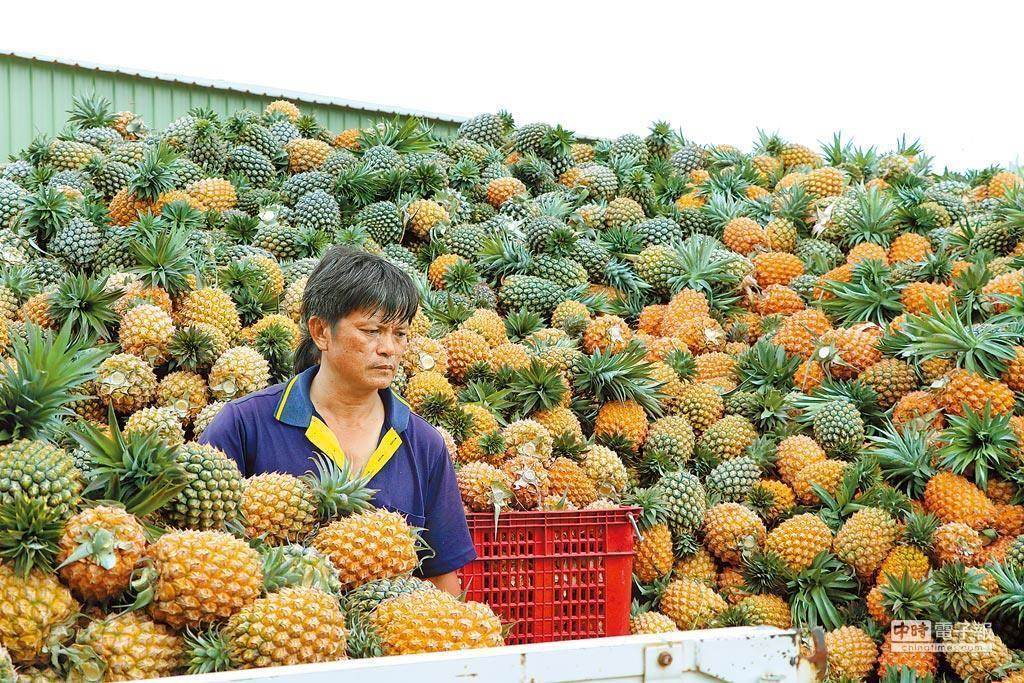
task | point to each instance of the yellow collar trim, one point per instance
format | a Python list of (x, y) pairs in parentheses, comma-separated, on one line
[(321, 436)]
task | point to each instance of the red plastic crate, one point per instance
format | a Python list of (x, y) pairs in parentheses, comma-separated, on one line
[(558, 575)]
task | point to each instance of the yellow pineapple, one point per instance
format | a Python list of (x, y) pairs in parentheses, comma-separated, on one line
[(132, 647), (729, 528), (370, 545), (865, 540), (434, 621), (238, 371), (37, 611), (799, 539), (202, 577), (691, 604), (93, 569), (851, 653)]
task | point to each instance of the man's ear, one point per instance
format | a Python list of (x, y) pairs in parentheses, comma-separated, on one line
[(320, 331)]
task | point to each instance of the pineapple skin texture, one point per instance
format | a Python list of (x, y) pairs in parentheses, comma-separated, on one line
[(203, 577), (34, 607), (291, 626), (371, 545), (432, 621)]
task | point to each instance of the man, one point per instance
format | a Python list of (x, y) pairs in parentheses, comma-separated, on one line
[(356, 312)]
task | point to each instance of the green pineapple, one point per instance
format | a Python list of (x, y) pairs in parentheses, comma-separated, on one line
[(531, 293), (317, 210), (294, 565), (255, 167), (205, 146), (839, 427), (79, 241), (685, 501), (732, 480), (212, 493)]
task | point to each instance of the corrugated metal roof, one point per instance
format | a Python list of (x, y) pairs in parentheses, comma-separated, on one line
[(239, 87)]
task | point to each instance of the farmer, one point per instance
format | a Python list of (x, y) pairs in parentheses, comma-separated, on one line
[(356, 312)]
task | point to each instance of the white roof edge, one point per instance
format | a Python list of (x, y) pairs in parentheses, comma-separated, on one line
[(238, 87)]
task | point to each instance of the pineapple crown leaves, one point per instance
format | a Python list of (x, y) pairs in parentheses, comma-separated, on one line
[(699, 267), (1008, 603), (537, 387), (404, 136), (29, 533), (164, 260), (860, 475), (487, 395), (765, 572), (502, 255), (820, 590), (870, 296), (623, 376), (461, 277), (874, 219), (904, 674), (862, 396), (905, 597), (981, 443), (904, 457), (356, 187), (155, 174), (983, 348), (35, 387), (766, 365), (87, 305), (139, 469), (721, 208), (919, 530), (682, 363), (275, 344), (45, 212), (958, 590), (192, 348), (836, 151), (652, 506), (207, 651), (338, 490)]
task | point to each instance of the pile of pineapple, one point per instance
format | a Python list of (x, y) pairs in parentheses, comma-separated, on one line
[(802, 367)]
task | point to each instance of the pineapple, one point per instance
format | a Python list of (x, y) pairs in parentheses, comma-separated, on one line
[(126, 382), (799, 539), (370, 545), (981, 661), (729, 528), (212, 306), (728, 437), (42, 471), (691, 604), (766, 610), (212, 496), (952, 498), (569, 480), (294, 625), (483, 487), (239, 371), (146, 331), (646, 622), (605, 469), (851, 653), (865, 539), (202, 577), (434, 621), (37, 611), (154, 176), (184, 391), (701, 404), (164, 422), (132, 646), (98, 552)]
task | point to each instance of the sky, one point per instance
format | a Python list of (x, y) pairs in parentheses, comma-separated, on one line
[(947, 74)]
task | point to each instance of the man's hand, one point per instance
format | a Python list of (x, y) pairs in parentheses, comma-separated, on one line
[(450, 583)]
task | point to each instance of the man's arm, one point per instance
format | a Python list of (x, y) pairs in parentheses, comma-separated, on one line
[(446, 533), (450, 583)]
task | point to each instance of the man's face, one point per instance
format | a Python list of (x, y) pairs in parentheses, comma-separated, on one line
[(365, 351)]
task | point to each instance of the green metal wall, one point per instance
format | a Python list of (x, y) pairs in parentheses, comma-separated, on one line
[(36, 94)]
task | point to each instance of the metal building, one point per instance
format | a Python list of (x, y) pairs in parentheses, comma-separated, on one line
[(36, 92)]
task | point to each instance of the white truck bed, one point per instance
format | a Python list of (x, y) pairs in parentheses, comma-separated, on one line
[(737, 655)]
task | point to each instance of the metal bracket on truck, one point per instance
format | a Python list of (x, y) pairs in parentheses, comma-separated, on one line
[(737, 655)]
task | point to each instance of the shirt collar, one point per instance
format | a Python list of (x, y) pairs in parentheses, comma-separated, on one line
[(296, 409)]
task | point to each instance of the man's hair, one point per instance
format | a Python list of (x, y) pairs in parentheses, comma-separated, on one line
[(348, 280)]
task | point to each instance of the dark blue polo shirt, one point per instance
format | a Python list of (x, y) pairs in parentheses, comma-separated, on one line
[(277, 430)]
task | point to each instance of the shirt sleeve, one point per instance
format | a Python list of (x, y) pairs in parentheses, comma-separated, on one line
[(446, 533), (227, 433)]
